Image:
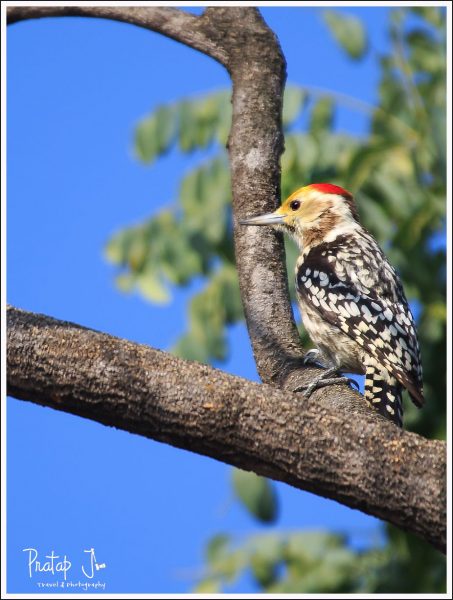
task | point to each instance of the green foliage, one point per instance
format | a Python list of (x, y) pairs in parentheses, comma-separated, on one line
[(307, 562), (219, 304), (322, 116), (397, 174), (190, 123), (294, 100), (257, 494), (348, 31), (322, 562)]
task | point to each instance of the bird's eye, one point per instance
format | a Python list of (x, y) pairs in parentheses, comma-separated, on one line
[(295, 205)]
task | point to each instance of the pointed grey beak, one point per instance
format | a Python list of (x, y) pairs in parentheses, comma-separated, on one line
[(269, 219)]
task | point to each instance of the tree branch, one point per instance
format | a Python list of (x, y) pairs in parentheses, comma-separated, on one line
[(344, 451), (240, 40), (258, 73), (171, 22)]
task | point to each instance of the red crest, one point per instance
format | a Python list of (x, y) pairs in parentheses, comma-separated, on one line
[(329, 188)]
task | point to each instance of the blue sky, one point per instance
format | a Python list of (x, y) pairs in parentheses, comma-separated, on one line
[(76, 88)]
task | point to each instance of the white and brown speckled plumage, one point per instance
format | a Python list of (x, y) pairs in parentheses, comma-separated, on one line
[(354, 309), (352, 302)]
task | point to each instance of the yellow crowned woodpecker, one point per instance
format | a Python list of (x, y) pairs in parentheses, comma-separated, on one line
[(352, 302)]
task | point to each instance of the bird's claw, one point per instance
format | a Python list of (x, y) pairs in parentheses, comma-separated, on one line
[(324, 380), (317, 384)]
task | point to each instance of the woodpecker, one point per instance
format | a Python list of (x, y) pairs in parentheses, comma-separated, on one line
[(352, 302)]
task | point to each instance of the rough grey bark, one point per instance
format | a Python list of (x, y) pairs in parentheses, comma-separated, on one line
[(346, 452), (241, 41)]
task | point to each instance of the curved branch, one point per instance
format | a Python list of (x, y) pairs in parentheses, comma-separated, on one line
[(171, 22), (341, 450), (240, 40)]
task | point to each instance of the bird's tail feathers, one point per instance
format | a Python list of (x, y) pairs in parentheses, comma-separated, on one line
[(384, 393)]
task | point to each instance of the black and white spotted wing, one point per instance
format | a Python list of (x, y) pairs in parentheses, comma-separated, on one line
[(381, 324)]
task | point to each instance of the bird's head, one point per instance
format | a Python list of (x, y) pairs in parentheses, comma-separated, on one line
[(311, 213)]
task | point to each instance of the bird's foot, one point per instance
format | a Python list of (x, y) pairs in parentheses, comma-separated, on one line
[(324, 380)]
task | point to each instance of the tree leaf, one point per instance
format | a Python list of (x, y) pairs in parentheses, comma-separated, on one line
[(216, 548), (210, 585), (155, 134), (364, 160), (152, 288), (125, 282), (321, 117), (256, 493), (293, 102), (145, 140), (432, 14), (348, 31), (189, 347)]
